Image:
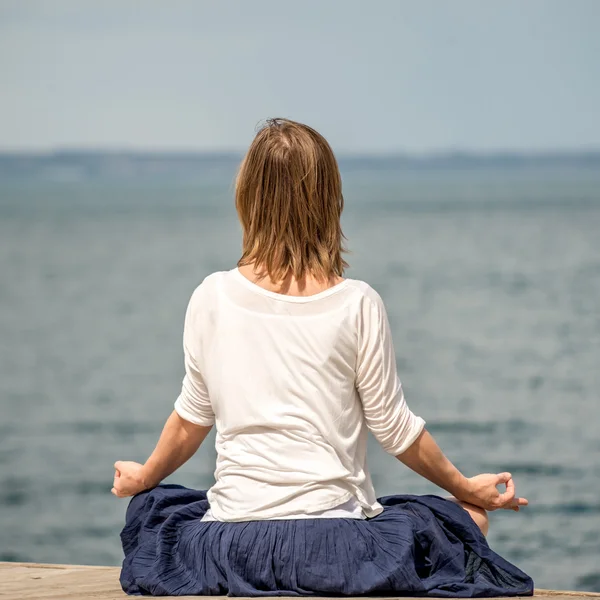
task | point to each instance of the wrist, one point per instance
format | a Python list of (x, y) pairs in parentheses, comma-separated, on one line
[(463, 488), (147, 477)]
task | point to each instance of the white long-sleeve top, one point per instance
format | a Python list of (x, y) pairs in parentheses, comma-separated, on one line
[(293, 384)]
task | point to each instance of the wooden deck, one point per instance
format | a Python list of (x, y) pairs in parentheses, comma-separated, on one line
[(28, 581)]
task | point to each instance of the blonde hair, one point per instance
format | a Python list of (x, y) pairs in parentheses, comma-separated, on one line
[(289, 201)]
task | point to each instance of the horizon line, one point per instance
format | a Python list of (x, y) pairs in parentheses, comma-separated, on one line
[(157, 151)]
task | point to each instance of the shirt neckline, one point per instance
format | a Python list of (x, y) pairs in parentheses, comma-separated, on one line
[(284, 297)]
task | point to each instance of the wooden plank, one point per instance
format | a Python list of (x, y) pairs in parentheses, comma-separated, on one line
[(564, 594), (59, 582), (30, 581)]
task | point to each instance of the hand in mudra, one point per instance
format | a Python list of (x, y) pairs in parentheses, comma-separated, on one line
[(129, 479), (484, 493)]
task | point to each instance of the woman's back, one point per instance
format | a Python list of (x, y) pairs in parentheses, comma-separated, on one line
[(293, 384), (287, 380)]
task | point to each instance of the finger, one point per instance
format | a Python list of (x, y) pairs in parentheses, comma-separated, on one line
[(503, 478), (516, 502), (510, 486), (506, 499)]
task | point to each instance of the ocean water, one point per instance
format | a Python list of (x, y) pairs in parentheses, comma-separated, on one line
[(492, 282)]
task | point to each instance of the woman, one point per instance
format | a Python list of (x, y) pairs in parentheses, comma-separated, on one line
[(294, 365)]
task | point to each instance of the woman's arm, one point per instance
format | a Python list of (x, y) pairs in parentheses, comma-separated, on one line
[(399, 431), (386, 413), (178, 442), (425, 458), (187, 426)]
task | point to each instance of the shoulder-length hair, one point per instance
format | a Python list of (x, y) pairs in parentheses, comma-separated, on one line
[(289, 201)]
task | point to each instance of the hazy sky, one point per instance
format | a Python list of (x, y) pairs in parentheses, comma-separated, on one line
[(372, 75)]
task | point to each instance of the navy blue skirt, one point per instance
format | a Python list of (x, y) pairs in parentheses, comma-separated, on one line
[(418, 546)]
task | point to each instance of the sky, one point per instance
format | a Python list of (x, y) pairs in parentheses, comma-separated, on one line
[(374, 76)]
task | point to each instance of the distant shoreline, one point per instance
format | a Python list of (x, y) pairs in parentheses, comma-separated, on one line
[(397, 157), (128, 164)]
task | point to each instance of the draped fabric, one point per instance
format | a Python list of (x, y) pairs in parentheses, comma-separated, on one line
[(418, 546)]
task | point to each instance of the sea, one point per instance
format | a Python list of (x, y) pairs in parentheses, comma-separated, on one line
[(490, 271)]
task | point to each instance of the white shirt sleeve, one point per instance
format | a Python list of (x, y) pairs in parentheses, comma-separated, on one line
[(387, 415), (193, 404)]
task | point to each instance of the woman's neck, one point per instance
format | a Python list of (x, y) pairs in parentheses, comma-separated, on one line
[(289, 285)]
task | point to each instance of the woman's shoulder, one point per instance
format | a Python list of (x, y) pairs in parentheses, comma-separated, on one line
[(207, 286), (366, 293)]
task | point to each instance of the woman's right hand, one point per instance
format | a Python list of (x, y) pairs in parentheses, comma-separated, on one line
[(482, 491), (129, 479)]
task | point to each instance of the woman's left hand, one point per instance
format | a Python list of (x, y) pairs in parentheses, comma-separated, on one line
[(129, 479)]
